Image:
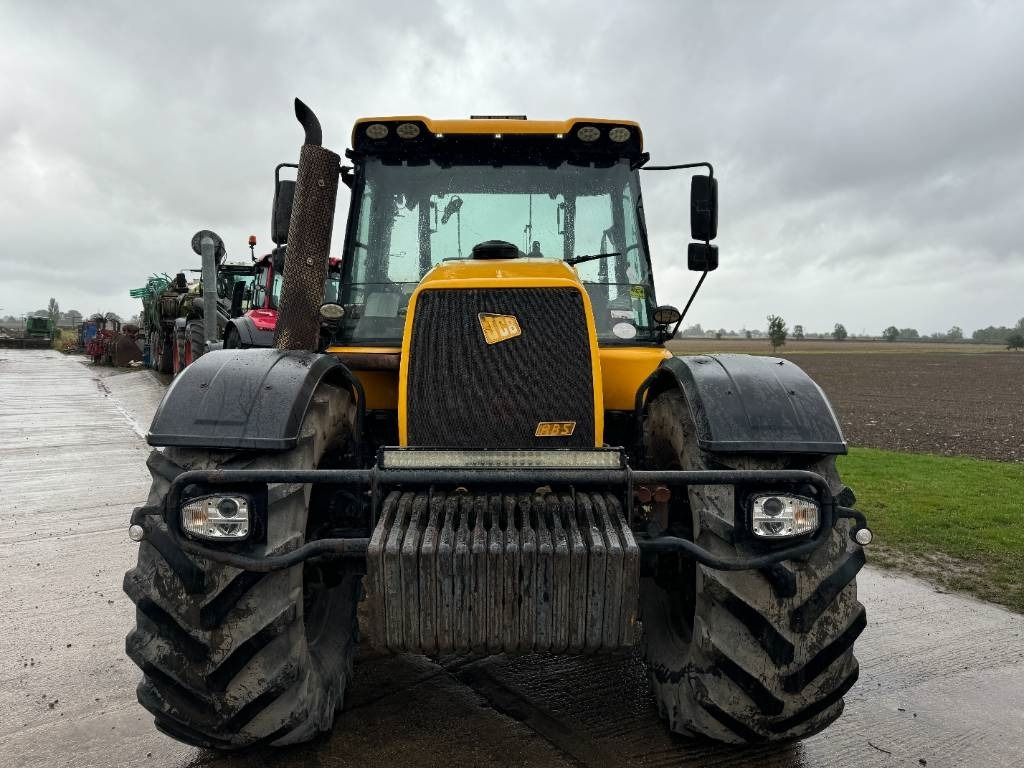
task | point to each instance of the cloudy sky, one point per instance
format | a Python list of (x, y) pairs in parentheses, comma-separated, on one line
[(870, 155)]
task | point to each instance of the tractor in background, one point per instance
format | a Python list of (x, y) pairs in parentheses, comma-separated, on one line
[(256, 326), (161, 306)]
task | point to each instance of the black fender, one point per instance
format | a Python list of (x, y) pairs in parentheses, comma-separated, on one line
[(250, 335), (751, 404), (246, 399)]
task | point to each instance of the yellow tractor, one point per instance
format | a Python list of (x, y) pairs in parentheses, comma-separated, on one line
[(483, 436)]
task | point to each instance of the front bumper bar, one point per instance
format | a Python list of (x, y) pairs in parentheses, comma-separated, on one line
[(377, 478)]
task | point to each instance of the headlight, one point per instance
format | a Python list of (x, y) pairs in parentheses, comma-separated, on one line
[(216, 517), (777, 516)]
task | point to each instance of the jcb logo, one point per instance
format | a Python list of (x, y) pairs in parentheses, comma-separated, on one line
[(555, 429), (499, 327)]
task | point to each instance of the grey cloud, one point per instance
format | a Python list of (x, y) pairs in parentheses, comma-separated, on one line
[(874, 149)]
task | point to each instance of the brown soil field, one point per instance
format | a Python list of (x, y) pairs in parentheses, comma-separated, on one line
[(949, 399)]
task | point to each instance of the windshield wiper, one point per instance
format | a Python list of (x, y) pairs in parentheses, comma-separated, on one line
[(574, 260)]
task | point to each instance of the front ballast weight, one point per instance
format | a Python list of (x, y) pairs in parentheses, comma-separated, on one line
[(500, 562)]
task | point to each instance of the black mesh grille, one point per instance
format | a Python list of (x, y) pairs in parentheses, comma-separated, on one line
[(466, 393)]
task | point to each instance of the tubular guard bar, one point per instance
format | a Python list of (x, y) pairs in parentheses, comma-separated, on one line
[(375, 478)]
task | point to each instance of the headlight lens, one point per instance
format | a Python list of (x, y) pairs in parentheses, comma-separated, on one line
[(216, 518), (777, 515)]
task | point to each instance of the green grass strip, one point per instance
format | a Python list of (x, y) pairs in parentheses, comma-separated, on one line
[(957, 522)]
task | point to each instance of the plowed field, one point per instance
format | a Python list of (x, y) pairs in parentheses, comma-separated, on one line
[(955, 401), (946, 402)]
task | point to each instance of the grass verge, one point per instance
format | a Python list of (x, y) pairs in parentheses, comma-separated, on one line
[(957, 522)]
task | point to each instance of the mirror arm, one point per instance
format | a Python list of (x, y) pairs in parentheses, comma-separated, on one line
[(682, 314), (711, 170)]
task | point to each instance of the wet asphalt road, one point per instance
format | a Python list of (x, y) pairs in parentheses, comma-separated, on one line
[(942, 676)]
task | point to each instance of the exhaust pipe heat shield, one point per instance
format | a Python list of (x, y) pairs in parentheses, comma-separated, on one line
[(309, 240)]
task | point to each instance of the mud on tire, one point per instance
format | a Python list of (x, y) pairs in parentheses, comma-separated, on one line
[(747, 656), (234, 658)]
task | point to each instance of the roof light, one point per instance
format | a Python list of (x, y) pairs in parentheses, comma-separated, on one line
[(588, 133), (408, 130), (376, 131), (619, 134)]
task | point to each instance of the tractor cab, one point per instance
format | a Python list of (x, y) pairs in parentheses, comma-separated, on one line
[(427, 192)]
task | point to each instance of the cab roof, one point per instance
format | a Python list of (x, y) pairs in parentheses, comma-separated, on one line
[(577, 137)]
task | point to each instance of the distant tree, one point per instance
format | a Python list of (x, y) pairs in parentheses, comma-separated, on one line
[(777, 331), (1016, 341), (719, 334), (693, 330), (909, 333), (748, 334), (839, 332), (798, 332), (891, 333), (956, 333), (994, 334), (53, 310)]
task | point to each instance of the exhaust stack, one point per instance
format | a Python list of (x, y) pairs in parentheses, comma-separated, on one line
[(309, 239)]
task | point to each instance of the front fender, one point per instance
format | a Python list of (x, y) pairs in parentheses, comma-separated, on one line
[(750, 404), (243, 399), (249, 334)]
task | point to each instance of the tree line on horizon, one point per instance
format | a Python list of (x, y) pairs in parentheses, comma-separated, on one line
[(777, 332), (70, 318)]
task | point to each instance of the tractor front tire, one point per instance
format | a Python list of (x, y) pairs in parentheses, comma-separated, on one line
[(195, 341), (178, 351), (232, 658), (232, 339), (160, 352), (746, 656)]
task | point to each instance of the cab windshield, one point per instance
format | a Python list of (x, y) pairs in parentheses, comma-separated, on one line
[(407, 219)]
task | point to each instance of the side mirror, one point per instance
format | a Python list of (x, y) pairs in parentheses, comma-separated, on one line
[(703, 208), (284, 196), (237, 297), (277, 259), (702, 257), (666, 315)]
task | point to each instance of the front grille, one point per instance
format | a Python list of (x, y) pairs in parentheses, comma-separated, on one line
[(465, 393)]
